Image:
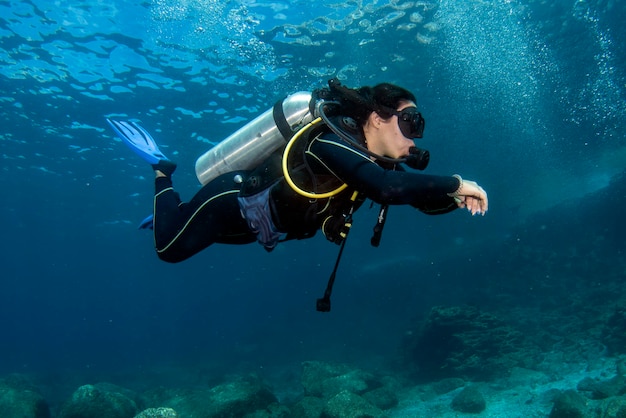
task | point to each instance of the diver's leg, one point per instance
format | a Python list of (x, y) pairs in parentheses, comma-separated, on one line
[(167, 210), (213, 215)]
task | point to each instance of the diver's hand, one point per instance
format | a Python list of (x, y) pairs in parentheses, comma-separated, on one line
[(471, 196)]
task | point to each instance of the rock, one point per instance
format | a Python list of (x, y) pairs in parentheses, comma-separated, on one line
[(20, 398), (308, 407), (237, 398), (325, 380), (614, 332), (315, 373), (392, 383), (98, 401), (614, 408), (620, 366), (350, 405), (469, 401), (160, 396), (462, 341), (157, 413), (355, 381), (547, 397), (444, 386), (520, 376), (569, 404), (274, 410), (604, 388), (382, 398)]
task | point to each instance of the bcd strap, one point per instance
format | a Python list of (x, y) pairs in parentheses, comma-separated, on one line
[(281, 121)]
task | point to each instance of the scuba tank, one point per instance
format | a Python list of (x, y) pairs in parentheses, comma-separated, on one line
[(250, 145)]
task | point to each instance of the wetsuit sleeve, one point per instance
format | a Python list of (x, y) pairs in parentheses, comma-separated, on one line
[(425, 192)]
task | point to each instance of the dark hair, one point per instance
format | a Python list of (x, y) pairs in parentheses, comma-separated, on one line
[(381, 95)]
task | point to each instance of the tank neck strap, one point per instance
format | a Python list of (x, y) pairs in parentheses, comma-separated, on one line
[(281, 121)]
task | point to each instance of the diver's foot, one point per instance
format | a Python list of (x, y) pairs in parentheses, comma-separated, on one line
[(166, 167)]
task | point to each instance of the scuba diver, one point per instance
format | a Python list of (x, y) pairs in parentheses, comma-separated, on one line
[(306, 165)]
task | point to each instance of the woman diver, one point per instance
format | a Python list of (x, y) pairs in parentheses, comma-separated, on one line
[(355, 152)]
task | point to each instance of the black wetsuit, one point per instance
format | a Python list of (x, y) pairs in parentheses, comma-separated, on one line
[(214, 216)]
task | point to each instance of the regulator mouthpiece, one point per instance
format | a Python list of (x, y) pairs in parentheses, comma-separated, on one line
[(418, 158)]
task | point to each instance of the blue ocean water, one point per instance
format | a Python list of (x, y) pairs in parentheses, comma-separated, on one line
[(526, 97)]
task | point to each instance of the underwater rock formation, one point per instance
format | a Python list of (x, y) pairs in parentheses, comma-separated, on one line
[(99, 401), (602, 389), (308, 407), (346, 404), (614, 331), (469, 401), (157, 413), (338, 390), (569, 404), (20, 398), (235, 398), (462, 341), (325, 380)]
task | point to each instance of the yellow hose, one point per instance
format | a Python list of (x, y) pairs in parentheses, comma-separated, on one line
[(288, 178)]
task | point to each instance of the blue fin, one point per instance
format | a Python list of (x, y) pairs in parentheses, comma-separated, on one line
[(147, 223), (138, 139)]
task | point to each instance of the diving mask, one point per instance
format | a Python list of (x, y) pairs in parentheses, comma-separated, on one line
[(410, 122)]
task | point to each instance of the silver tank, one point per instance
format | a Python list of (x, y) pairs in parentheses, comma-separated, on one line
[(247, 147)]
